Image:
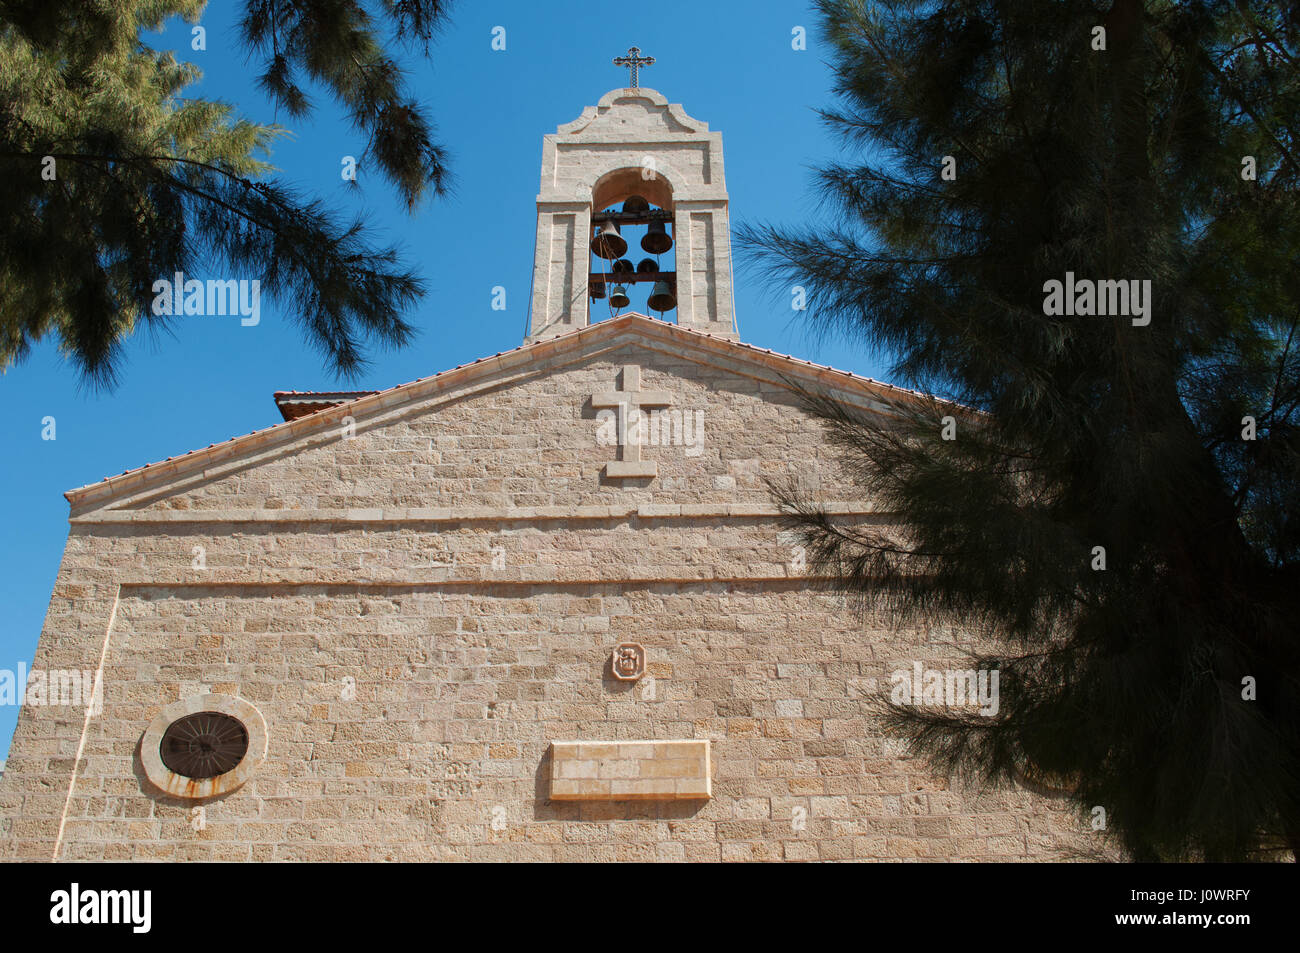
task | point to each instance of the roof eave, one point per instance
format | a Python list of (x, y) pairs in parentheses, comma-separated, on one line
[(194, 460)]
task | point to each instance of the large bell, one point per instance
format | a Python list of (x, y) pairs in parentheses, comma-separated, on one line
[(662, 298), (618, 298), (636, 205), (609, 243), (656, 240), (596, 289), (622, 267), (647, 266)]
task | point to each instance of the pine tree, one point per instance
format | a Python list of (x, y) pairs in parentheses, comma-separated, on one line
[(114, 180), (1119, 512)]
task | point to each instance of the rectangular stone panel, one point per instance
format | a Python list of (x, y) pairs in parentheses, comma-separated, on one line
[(704, 309), (630, 770), (628, 469)]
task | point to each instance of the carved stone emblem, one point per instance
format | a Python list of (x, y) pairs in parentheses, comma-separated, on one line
[(629, 661)]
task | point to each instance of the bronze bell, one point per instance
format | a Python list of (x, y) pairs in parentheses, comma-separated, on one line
[(635, 205), (622, 267), (596, 289), (657, 240), (647, 266), (662, 298), (609, 243), (618, 298)]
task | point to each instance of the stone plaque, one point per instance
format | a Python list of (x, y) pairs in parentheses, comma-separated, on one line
[(630, 770)]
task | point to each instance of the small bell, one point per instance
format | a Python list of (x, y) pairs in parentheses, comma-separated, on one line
[(596, 289), (647, 266), (635, 205), (618, 298), (609, 243), (622, 267), (656, 240), (662, 298)]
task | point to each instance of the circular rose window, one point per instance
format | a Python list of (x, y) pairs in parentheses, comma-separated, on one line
[(203, 746)]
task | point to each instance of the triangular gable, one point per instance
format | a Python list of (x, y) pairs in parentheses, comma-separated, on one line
[(747, 360)]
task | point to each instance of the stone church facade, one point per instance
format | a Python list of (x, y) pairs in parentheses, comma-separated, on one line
[(470, 618)]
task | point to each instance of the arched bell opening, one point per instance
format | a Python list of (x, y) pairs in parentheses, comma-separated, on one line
[(633, 262), (615, 188)]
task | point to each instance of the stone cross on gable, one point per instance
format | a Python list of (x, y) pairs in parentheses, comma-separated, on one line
[(631, 396), (634, 61)]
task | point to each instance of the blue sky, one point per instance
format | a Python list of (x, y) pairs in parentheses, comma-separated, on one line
[(211, 378)]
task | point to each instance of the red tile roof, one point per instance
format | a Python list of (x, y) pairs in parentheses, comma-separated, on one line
[(293, 404)]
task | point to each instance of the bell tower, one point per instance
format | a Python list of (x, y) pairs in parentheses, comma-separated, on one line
[(636, 176)]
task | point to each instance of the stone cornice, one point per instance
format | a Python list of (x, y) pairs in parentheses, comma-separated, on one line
[(468, 514), (469, 576)]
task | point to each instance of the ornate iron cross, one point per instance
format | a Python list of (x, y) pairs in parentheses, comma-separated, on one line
[(634, 61)]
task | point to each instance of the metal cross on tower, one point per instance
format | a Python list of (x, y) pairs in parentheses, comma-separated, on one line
[(634, 61)]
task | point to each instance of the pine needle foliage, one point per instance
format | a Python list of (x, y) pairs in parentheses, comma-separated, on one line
[(147, 182), (1126, 686)]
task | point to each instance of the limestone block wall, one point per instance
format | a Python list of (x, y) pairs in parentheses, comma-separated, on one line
[(421, 610), (441, 753)]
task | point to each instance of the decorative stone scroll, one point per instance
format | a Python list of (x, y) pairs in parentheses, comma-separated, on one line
[(631, 770)]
